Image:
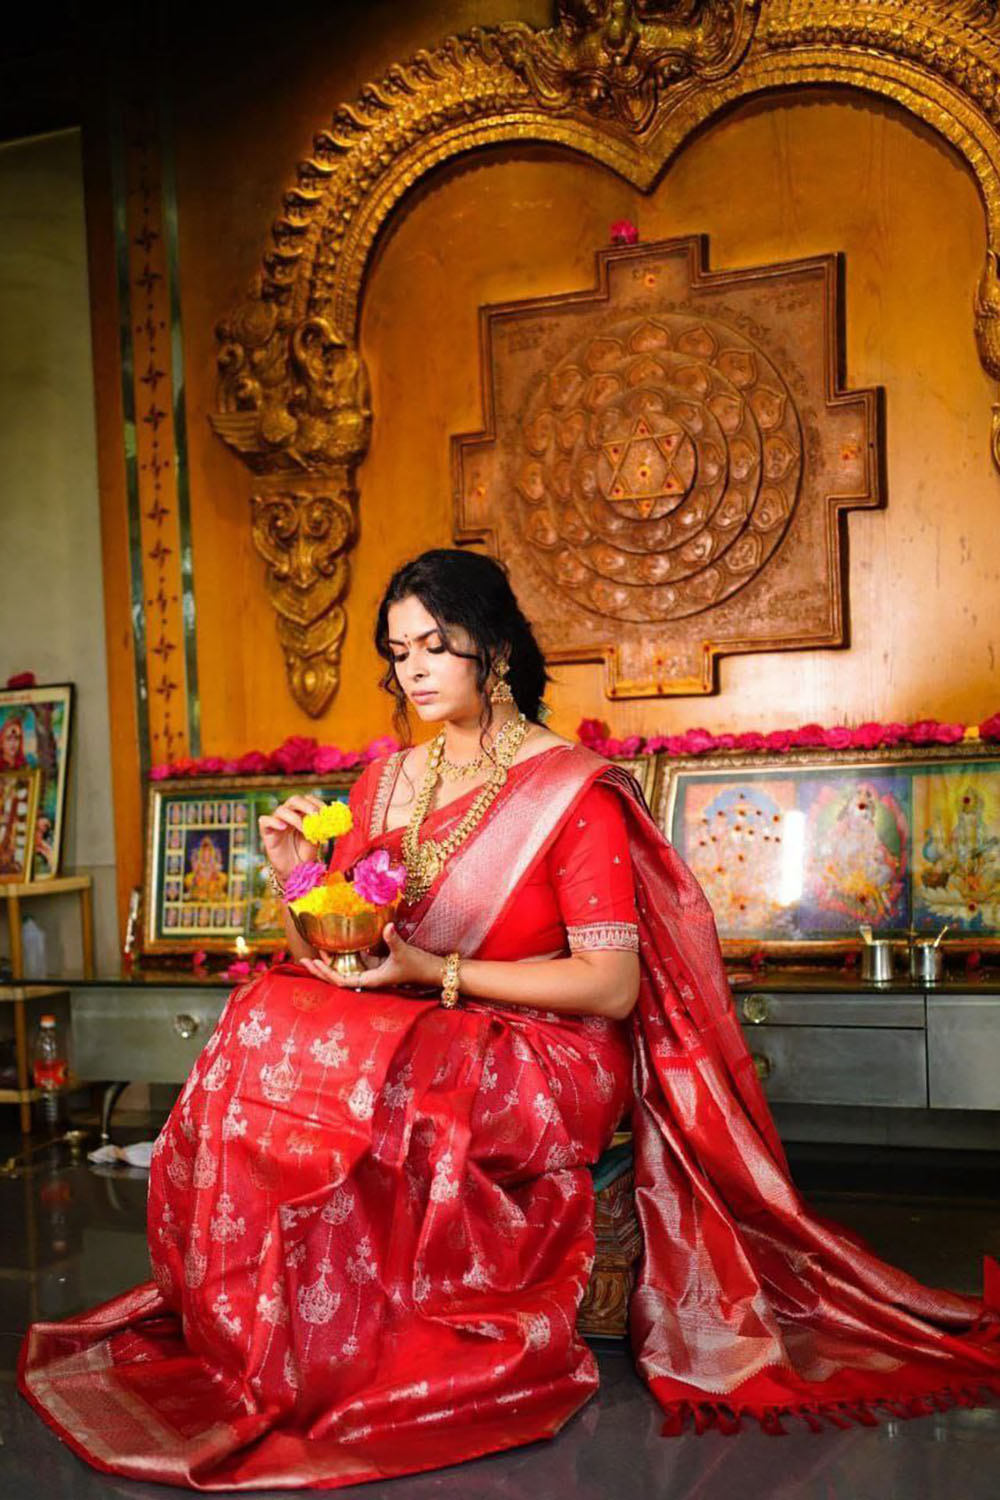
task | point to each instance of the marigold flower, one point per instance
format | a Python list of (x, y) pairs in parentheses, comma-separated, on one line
[(334, 819), (331, 900)]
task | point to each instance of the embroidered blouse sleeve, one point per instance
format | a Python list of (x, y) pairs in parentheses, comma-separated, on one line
[(591, 872)]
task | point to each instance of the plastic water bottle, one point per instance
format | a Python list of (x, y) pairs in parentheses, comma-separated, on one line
[(51, 1071)]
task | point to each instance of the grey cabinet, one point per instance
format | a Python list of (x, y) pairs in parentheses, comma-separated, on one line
[(146, 1034), (963, 1050), (828, 1048), (836, 1046), (901, 1050)]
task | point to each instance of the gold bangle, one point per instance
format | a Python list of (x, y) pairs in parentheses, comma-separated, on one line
[(449, 981)]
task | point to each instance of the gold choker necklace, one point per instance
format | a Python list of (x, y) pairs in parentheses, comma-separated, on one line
[(452, 770), (425, 861)]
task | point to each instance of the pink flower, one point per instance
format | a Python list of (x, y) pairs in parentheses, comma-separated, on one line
[(293, 756), (699, 741), (868, 736), (989, 729), (385, 744), (159, 773), (837, 738), (304, 878), (623, 232), (198, 959), (328, 758), (183, 767), (238, 969), (930, 732), (751, 740), (808, 736), (22, 680), (779, 739), (253, 763), (377, 880), (589, 731), (209, 765)]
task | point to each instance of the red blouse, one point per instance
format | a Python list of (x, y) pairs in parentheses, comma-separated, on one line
[(579, 895)]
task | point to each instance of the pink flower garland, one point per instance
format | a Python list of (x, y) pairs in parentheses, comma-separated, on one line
[(299, 755), (870, 736)]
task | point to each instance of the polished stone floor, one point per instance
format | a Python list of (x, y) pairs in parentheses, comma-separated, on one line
[(71, 1236)]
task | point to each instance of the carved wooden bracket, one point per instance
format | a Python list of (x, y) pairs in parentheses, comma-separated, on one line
[(625, 82), (303, 535), (301, 422)]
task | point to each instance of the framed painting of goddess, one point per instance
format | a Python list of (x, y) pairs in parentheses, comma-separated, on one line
[(796, 851)]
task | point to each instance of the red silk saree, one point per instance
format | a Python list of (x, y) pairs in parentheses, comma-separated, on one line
[(370, 1218)]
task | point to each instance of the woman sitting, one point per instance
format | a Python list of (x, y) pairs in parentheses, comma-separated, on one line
[(371, 1215)]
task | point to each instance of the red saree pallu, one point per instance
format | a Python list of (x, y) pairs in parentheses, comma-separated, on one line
[(371, 1219)]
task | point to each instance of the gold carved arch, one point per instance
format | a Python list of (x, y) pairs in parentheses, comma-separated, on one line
[(624, 82)]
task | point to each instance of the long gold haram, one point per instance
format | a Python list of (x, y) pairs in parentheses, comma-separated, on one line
[(425, 861)]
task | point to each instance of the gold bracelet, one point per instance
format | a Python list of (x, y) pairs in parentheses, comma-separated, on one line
[(449, 981)]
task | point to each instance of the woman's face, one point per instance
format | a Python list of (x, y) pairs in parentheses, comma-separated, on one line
[(11, 741), (439, 685)]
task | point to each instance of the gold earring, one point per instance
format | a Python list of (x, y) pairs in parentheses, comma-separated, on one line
[(501, 688)]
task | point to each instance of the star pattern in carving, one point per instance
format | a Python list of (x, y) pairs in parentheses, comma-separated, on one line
[(644, 467)]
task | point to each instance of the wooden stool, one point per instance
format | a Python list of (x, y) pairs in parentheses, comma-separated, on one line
[(604, 1309)]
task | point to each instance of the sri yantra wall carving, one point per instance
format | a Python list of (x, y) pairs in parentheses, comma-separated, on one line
[(666, 461)]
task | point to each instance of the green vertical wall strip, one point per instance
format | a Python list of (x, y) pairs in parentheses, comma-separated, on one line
[(179, 412), (119, 192)]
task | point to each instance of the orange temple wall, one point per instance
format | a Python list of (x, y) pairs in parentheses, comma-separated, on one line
[(782, 178)]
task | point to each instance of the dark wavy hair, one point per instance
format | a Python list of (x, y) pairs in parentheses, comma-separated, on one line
[(469, 590)]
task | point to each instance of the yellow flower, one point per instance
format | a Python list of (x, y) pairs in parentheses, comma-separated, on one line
[(331, 900), (334, 820)]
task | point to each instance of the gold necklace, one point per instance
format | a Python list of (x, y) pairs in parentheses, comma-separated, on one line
[(451, 770), (425, 861)]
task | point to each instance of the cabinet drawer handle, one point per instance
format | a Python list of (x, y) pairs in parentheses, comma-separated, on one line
[(763, 1066), (185, 1025), (755, 1008)]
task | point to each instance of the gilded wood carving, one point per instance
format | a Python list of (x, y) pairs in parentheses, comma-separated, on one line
[(665, 463), (625, 82)]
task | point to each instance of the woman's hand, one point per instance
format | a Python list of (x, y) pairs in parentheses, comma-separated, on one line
[(281, 834), (404, 964)]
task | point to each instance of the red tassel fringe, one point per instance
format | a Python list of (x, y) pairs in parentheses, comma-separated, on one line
[(706, 1415)]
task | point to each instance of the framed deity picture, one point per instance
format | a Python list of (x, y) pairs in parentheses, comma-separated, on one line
[(205, 882), (796, 851), (34, 731), (19, 792)]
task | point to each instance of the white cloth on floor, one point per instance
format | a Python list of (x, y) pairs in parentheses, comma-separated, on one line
[(136, 1154)]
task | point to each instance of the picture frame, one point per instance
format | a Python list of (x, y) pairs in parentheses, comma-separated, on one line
[(19, 797), (35, 726), (205, 885), (795, 851), (644, 769)]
